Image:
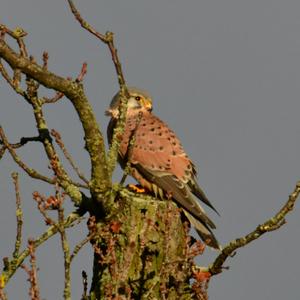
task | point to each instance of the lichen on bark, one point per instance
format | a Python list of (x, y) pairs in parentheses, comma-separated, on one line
[(141, 252)]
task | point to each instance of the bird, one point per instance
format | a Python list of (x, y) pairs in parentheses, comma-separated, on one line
[(158, 161)]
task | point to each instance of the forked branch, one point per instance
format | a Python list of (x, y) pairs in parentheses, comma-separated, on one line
[(13, 264), (108, 39), (73, 90)]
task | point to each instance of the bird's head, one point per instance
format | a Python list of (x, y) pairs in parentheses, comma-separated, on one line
[(138, 100)]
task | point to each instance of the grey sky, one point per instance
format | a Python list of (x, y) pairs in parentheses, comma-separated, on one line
[(225, 75)]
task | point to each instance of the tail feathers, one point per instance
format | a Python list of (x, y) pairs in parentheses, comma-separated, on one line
[(197, 191), (204, 232)]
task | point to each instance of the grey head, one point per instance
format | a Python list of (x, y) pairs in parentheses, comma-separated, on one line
[(139, 98)]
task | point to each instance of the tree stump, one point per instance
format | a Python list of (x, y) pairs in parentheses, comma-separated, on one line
[(142, 251)]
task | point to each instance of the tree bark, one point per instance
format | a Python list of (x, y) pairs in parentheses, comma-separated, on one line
[(142, 252)]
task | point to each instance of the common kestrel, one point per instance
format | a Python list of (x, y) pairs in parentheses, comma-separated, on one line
[(158, 161)]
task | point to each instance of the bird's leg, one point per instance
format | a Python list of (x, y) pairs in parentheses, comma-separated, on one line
[(169, 195), (144, 187), (135, 188)]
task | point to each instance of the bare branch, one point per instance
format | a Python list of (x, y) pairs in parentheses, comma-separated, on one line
[(45, 60), (70, 221), (31, 97), (19, 215), (2, 151), (65, 246), (13, 82), (82, 72), (60, 143), (34, 291), (58, 96), (108, 39), (74, 91), (270, 225), (44, 204), (44, 135), (80, 245), (31, 172), (17, 34)]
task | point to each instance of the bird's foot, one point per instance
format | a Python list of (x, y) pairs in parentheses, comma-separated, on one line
[(136, 188)]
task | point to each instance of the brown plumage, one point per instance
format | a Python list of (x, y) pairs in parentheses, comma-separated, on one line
[(158, 160)]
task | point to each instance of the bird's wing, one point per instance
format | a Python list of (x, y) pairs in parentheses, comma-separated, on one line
[(182, 195), (157, 148), (158, 155), (179, 192)]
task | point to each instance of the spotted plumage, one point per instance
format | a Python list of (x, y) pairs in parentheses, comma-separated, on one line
[(158, 160)]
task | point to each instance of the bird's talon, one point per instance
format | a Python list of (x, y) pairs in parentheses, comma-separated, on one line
[(136, 188)]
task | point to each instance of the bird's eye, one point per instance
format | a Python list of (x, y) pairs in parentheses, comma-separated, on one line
[(137, 98)]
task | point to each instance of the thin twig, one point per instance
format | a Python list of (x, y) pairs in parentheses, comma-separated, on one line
[(23, 141), (31, 172), (270, 225), (82, 73), (43, 134), (58, 95), (2, 151), (80, 245), (52, 100), (70, 221), (45, 60), (18, 34), (34, 291), (65, 246), (32, 98), (44, 204), (12, 82), (108, 39), (100, 179), (19, 215), (84, 24), (60, 143)]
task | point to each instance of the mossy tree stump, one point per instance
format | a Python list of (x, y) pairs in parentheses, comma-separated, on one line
[(142, 252)]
